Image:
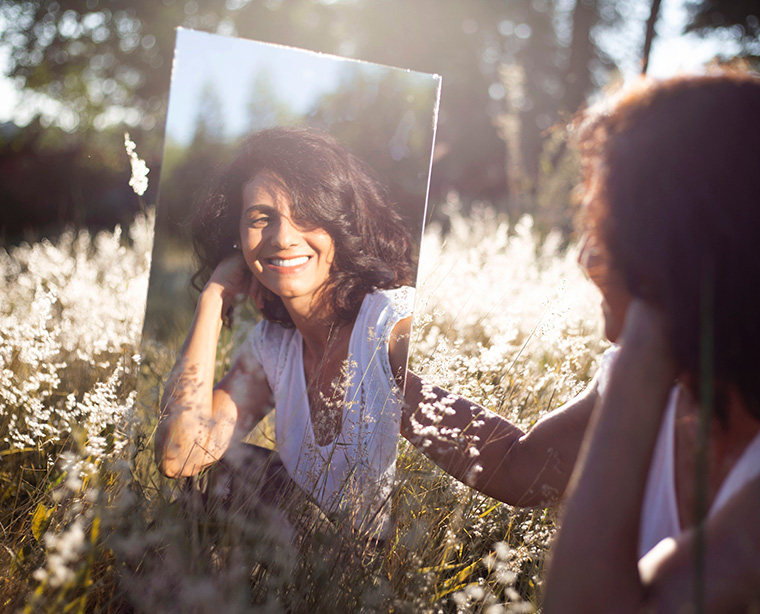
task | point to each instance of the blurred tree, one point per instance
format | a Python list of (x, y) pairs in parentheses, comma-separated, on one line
[(98, 58), (49, 178), (649, 36), (107, 63), (397, 143), (265, 108), (187, 170), (738, 18), (444, 37), (209, 124)]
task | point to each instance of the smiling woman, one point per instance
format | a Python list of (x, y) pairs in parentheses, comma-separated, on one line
[(324, 187), (301, 226)]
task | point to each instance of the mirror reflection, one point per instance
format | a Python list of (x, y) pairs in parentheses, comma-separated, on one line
[(304, 223)]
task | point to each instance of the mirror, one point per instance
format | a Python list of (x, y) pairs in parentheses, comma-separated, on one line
[(278, 124)]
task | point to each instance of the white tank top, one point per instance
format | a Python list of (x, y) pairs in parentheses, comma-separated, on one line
[(659, 511), (352, 475)]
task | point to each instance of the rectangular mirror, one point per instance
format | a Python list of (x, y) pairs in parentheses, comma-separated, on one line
[(306, 176)]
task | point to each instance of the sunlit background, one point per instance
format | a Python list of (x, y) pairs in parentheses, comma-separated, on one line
[(504, 315), (77, 74)]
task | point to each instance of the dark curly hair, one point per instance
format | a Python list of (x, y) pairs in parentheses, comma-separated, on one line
[(330, 188), (670, 171)]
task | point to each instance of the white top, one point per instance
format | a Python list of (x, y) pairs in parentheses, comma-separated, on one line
[(659, 511), (352, 475)]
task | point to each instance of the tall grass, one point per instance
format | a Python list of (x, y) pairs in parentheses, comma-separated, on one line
[(70, 321), (88, 524)]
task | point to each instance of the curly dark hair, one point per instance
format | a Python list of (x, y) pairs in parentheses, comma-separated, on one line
[(330, 188), (670, 171)]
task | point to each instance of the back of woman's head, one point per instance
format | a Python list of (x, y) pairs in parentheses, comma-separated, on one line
[(329, 188), (671, 178)]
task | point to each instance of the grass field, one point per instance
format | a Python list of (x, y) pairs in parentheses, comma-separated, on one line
[(88, 524)]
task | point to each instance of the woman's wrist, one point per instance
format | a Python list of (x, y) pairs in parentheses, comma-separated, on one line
[(213, 302), (214, 294)]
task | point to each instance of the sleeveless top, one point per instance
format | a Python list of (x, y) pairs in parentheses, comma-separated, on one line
[(353, 475), (659, 512)]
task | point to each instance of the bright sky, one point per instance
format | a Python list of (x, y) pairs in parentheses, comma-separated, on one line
[(297, 77), (671, 53)]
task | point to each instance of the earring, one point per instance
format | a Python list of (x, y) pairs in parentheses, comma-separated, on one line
[(235, 245)]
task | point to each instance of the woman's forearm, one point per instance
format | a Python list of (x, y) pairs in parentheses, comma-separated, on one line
[(455, 432), (594, 560), (492, 455), (187, 420)]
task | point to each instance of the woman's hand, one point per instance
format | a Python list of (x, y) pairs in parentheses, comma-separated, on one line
[(231, 278), (597, 545), (644, 329)]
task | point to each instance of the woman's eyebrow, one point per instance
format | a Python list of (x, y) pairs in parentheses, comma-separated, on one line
[(258, 209)]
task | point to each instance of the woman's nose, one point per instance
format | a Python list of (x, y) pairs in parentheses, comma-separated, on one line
[(285, 234)]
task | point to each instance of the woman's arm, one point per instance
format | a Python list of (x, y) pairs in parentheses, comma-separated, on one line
[(594, 566), (483, 449), (199, 421)]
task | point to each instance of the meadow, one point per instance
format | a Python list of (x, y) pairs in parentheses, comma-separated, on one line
[(503, 316)]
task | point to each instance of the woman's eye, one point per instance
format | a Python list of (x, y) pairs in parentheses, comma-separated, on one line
[(260, 221)]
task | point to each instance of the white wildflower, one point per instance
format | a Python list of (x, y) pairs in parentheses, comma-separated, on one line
[(63, 551), (475, 592), (52, 294), (139, 180), (502, 550)]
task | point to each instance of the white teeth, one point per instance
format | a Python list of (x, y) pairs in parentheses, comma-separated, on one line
[(290, 262)]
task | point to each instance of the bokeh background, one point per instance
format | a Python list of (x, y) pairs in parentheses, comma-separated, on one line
[(77, 73), (504, 315)]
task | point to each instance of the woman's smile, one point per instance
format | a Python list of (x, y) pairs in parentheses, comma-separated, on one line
[(288, 263)]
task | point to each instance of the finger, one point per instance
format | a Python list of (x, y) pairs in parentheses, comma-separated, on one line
[(256, 292)]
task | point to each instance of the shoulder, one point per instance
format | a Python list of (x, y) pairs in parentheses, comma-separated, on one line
[(266, 332), (394, 304), (266, 343), (383, 322)]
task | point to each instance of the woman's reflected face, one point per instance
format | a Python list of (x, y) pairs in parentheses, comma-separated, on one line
[(615, 295), (291, 261)]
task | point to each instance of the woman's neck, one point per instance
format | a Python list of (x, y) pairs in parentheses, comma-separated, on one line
[(316, 323)]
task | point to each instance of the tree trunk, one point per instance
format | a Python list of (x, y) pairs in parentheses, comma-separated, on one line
[(654, 11)]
